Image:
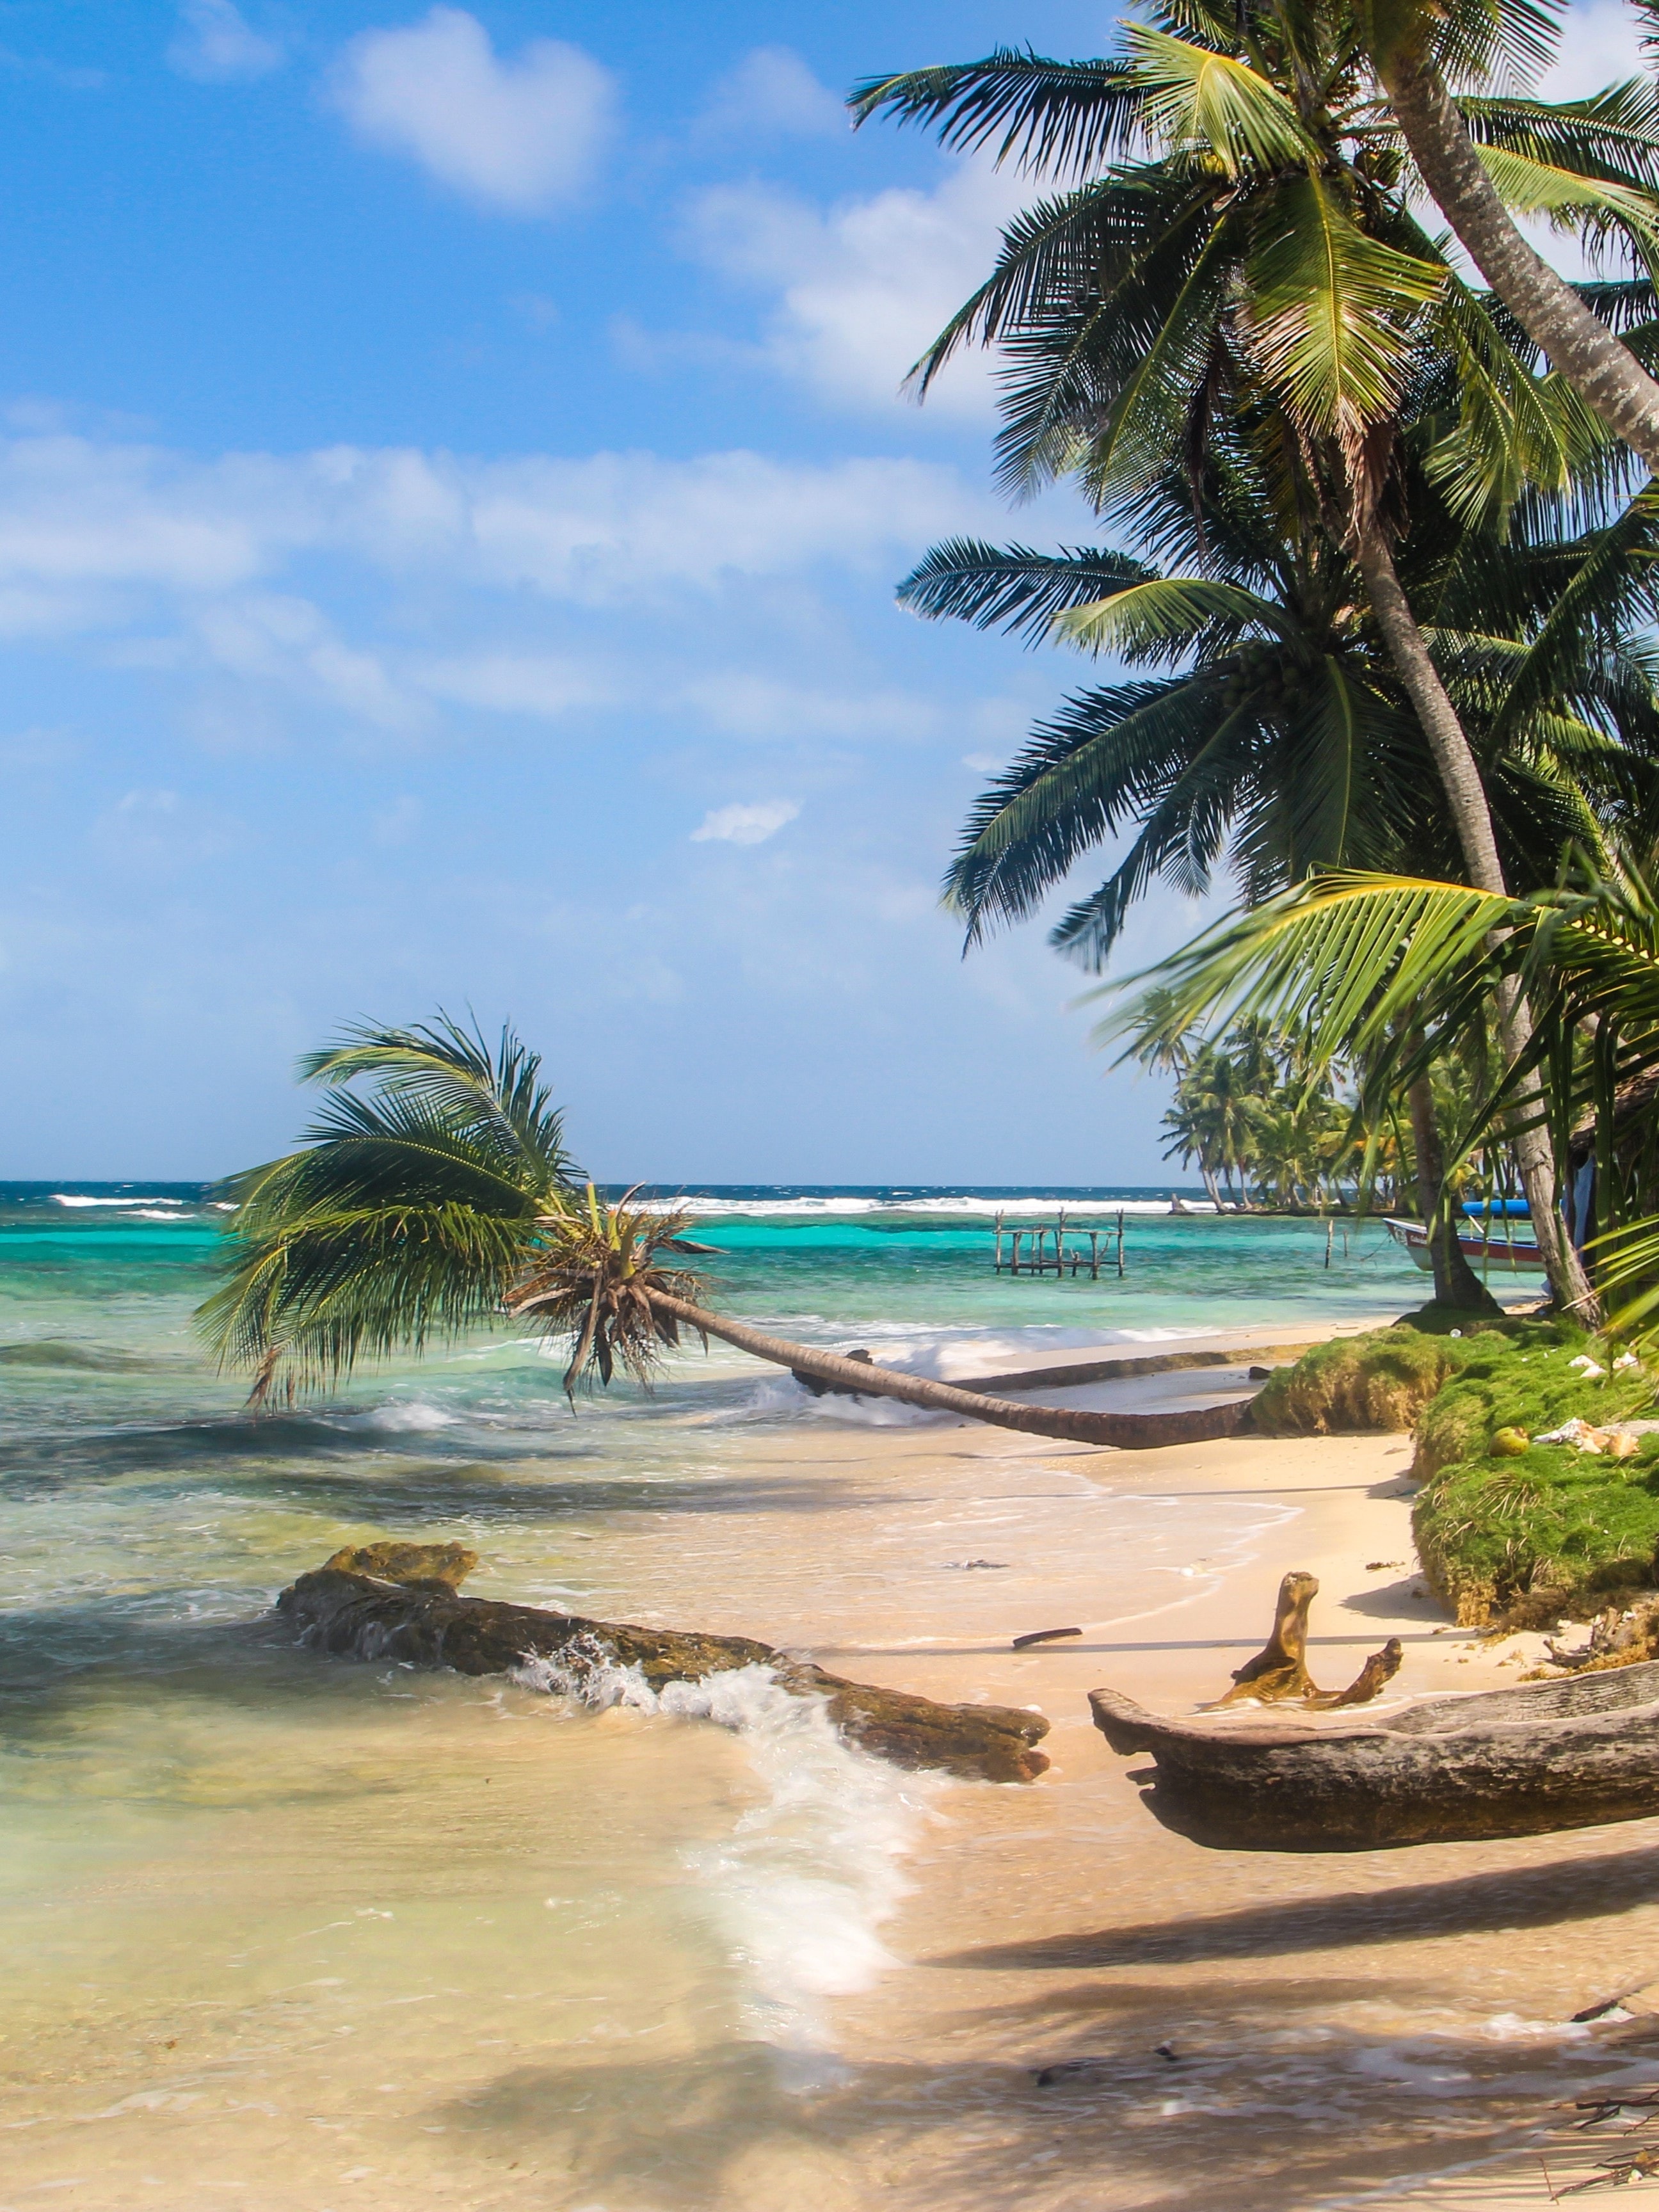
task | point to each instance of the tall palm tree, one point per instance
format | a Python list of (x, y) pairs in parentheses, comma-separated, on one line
[(1415, 49), (442, 1197), (1269, 245)]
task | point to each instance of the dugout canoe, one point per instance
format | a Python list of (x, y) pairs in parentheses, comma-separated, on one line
[(1526, 1761)]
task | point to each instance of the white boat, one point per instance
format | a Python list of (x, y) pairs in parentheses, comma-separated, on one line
[(1503, 1247)]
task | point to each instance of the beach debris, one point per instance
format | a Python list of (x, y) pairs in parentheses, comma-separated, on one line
[(1617, 1639), (1576, 1431), (1378, 1670), (1640, 2165), (1043, 1636), (1509, 1443), (1168, 2050), (1591, 1369), (1279, 1673), (1626, 1359), (1064, 2069), (971, 1566), (414, 1614), (1382, 1566)]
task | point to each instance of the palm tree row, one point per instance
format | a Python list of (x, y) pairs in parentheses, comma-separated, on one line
[(1229, 327)]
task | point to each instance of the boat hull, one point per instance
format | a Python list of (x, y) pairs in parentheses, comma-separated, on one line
[(1575, 1753), (1486, 1255)]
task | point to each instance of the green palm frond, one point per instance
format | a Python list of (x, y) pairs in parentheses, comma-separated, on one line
[(1194, 97), (1165, 618), (409, 1212), (1014, 587), (1329, 311), (1613, 132), (1339, 962), (1052, 116)]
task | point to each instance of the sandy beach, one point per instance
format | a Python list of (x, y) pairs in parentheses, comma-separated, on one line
[(332, 1977)]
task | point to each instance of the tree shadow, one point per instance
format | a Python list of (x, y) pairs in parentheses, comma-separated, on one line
[(1530, 1896), (1261, 2126)]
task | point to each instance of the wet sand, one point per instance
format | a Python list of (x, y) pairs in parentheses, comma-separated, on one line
[(1232, 2028), (338, 1989)]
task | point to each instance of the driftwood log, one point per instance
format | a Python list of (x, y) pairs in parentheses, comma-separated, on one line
[(1518, 1762), (1278, 1671), (400, 1602)]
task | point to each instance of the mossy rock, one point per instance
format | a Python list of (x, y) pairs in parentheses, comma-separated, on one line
[(1526, 1541), (1380, 1380), (1521, 1379)]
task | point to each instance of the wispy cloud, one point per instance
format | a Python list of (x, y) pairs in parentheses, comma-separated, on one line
[(745, 825), (214, 43), (855, 294), (771, 93), (524, 135)]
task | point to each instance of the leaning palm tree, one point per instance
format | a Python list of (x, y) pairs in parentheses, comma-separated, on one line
[(441, 1198)]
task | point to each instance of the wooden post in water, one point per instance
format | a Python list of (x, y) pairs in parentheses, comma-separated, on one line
[(1042, 1238), (1330, 1232), (1120, 1240), (998, 1267), (1094, 1256), (1015, 1269), (1060, 1247)]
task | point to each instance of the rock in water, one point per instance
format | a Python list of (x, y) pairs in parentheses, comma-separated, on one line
[(404, 1606)]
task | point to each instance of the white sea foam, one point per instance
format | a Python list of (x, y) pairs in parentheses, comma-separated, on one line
[(72, 1198), (402, 1415), (977, 1208), (801, 1886)]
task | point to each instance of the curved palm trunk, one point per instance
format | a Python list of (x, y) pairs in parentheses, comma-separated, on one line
[(1466, 795), (1127, 1432), (1604, 372)]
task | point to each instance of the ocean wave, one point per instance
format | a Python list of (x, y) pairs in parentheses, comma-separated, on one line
[(73, 1198), (801, 1886), (705, 1205)]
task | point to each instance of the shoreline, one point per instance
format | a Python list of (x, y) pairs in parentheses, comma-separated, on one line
[(625, 1958), (1085, 1891)]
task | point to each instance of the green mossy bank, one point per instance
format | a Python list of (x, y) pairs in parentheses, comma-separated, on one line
[(1522, 1536)]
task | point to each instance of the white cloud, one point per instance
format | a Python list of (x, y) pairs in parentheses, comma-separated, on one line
[(214, 43), (745, 825), (771, 93), (289, 642), (391, 588), (90, 532), (859, 292), (1601, 44), (543, 684), (524, 134)]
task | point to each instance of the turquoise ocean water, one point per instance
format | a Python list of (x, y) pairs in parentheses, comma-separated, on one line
[(237, 1881)]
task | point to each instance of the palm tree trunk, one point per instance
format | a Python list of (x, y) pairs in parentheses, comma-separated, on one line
[(1604, 372), (1455, 1283), (1127, 1432), (1466, 795)]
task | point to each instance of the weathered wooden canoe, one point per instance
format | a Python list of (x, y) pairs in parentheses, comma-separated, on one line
[(1518, 1762)]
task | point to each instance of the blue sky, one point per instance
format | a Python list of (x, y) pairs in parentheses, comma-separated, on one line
[(451, 482)]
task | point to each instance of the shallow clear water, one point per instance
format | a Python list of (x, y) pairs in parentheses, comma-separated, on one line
[(262, 1907)]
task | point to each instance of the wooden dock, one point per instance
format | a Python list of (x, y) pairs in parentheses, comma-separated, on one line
[(1048, 1254)]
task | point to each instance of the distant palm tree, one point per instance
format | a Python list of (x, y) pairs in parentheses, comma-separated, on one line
[(443, 1198)]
